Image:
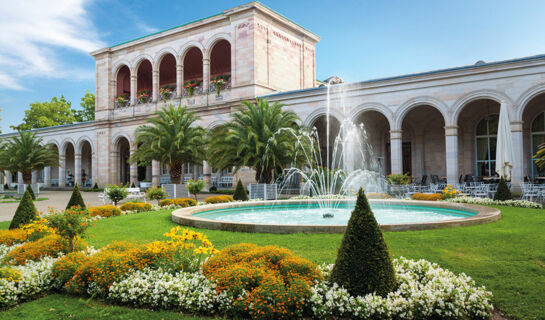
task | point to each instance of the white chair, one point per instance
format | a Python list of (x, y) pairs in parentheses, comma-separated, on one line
[(135, 193), (481, 191), (529, 192), (103, 196)]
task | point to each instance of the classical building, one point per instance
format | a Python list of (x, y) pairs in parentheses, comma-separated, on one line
[(441, 123)]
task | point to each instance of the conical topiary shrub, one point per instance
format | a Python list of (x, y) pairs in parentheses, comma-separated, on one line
[(240, 192), (76, 199), (503, 193), (29, 188), (25, 213), (363, 262)]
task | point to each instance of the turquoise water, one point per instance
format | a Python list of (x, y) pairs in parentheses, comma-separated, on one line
[(312, 214)]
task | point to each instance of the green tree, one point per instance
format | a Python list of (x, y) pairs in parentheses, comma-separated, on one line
[(259, 137), (26, 212), (70, 225), (363, 262), (76, 200), (116, 193), (58, 111), (240, 193), (194, 187), (171, 138), (503, 193), (87, 111), (25, 153)]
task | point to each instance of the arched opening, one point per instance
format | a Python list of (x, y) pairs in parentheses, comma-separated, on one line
[(69, 161), (321, 126), (193, 73), (533, 119), (86, 164), (477, 130), (376, 137), (144, 82), (123, 90), (124, 153), (167, 77), (423, 144), (220, 66)]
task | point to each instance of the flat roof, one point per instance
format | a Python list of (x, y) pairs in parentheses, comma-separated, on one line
[(477, 65), (49, 128)]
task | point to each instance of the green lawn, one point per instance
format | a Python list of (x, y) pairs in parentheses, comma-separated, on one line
[(507, 256)]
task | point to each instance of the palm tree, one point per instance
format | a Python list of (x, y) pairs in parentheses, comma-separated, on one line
[(540, 156), (258, 137), (171, 139), (25, 153)]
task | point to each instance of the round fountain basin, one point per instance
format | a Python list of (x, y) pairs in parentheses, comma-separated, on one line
[(290, 216)]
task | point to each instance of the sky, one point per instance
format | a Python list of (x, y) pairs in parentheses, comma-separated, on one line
[(45, 45)]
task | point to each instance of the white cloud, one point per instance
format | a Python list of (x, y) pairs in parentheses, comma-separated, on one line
[(31, 30)]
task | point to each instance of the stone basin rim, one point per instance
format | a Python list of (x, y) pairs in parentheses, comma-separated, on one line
[(186, 217)]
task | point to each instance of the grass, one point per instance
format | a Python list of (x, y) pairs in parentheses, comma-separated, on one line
[(507, 256), (17, 200)]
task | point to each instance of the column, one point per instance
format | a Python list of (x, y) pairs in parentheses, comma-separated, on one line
[(207, 174), (47, 177), (133, 90), (9, 178), (517, 172), (34, 178), (155, 86), (396, 151), (77, 169), (94, 169), (205, 75), (20, 178), (451, 148), (62, 171), (133, 171), (155, 173), (179, 80)]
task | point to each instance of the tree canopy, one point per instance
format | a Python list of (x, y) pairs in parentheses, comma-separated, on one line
[(56, 112)]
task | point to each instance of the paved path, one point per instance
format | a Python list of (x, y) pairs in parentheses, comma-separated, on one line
[(57, 200)]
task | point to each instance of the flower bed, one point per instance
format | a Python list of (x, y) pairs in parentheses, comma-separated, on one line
[(427, 196), (490, 202), (219, 199)]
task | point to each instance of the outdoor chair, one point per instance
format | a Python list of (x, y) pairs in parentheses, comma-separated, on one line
[(529, 192)]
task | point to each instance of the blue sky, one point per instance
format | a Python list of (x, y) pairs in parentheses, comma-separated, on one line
[(44, 47)]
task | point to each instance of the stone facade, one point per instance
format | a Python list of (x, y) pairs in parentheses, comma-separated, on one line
[(426, 124)]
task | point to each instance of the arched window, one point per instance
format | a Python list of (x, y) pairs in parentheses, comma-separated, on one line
[(538, 137), (485, 143)]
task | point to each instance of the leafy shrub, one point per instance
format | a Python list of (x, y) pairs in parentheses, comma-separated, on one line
[(50, 246), (398, 178), (70, 224), (29, 188), (37, 229), (276, 282), (10, 274), (195, 187), (136, 206), (180, 202), (363, 262), (155, 193), (25, 213), (105, 211), (240, 192), (427, 196), (65, 267), (11, 237), (219, 199), (116, 193), (76, 200), (503, 193)]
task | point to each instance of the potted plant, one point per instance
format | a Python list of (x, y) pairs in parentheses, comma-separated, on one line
[(219, 83), (190, 87), (166, 92), (143, 95), (122, 100)]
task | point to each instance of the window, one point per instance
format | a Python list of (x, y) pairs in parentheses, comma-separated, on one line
[(188, 168), (538, 137), (485, 145)]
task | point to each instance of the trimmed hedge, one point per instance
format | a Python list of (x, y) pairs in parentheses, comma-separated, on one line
[(76, 200), (503, 193), (240, 192), (135, 206), (105, 211), (363, 262), (180, 202), (25, 213)]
